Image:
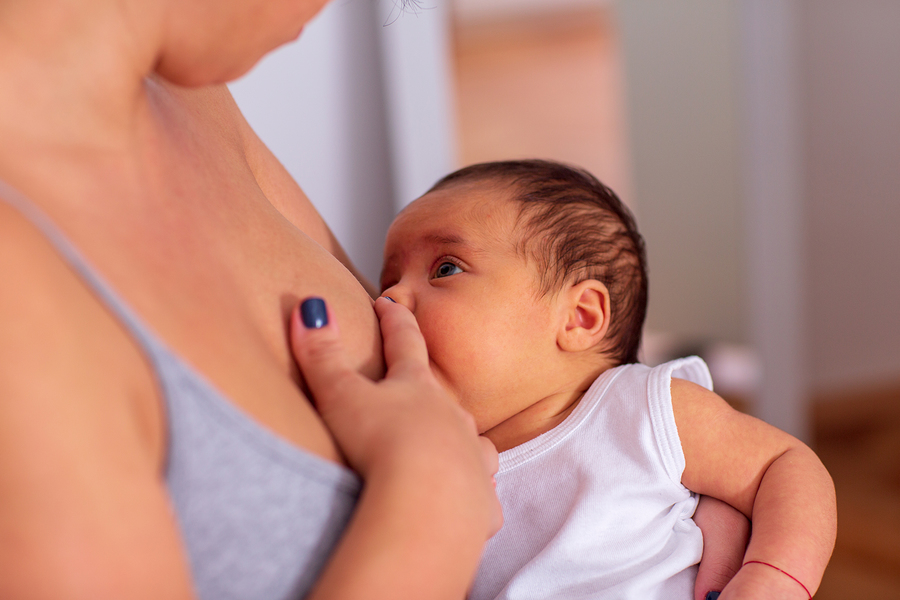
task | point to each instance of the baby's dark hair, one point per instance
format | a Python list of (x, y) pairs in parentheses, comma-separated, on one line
[(576, 229)]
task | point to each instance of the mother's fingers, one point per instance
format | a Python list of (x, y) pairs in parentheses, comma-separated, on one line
[(316, 343), (492, 462), (726, 532), (489, 455), (404, 346)]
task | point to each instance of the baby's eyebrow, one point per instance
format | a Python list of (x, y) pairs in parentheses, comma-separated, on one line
[(454, 242), (444, 239)]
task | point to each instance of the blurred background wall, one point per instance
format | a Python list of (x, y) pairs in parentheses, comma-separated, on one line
[(758, 142), (851, 89)]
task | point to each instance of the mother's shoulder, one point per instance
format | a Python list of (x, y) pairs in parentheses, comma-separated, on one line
[(38, 286), (24, 251), (60, 343), (39, 290)]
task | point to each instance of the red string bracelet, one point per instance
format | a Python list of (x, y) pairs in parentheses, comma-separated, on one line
[(759, 562)]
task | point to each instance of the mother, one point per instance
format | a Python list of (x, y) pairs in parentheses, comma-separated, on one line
[(156, 438), (116, 359)]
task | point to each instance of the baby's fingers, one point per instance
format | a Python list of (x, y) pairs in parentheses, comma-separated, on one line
[(316, 343), (404, 346)]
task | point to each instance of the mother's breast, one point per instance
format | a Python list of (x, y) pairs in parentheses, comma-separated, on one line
[(309, 270)]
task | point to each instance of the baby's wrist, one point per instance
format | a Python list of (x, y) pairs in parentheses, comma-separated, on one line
[(764, 581), (763, 563)]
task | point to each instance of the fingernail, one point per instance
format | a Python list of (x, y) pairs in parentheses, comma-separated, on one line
[(313, 313), (391, 299), (712, 595)]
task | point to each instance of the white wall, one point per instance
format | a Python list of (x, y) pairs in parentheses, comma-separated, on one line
[(417, 59), (773, 202), (681, 63), (320, 104), (852, 118), (716, 138)]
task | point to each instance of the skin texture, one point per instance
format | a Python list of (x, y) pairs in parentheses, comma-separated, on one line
[(520, 362), (171, 197)]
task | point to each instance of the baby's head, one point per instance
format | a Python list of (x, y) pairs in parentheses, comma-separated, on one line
[(514, 269)]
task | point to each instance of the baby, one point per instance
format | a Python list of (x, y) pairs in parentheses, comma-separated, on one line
[(528, 281)]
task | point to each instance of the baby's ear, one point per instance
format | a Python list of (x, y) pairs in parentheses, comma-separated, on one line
[(586, 316)]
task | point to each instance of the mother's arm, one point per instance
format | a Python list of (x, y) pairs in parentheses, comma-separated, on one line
[(84, 512)]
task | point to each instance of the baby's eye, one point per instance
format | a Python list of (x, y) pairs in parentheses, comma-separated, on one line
[(446, 269)]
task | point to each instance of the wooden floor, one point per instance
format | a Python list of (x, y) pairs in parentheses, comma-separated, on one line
[(858, 439), (554, 89)]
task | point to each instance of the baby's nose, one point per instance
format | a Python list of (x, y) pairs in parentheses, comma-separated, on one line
[(400, 294)]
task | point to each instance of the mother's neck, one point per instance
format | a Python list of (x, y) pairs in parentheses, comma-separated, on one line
[(72, 79)]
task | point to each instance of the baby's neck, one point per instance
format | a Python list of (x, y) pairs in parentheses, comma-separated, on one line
[(543, 414)]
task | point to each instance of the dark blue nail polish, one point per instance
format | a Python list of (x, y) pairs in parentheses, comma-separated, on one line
[(313, 313), (712, 595), (391, 299)]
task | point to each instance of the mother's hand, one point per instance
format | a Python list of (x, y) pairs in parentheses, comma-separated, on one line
[(428, 503), (726, 532), (407, 412)]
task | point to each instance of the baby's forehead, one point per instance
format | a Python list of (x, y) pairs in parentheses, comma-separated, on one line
[(483, 205), (462, 217)]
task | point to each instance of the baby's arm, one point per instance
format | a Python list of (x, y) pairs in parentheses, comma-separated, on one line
[(772, 478)]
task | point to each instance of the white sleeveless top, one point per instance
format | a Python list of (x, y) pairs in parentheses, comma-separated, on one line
[(595, 507)]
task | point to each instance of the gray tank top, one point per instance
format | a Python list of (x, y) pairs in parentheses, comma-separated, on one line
[(258, 516)]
